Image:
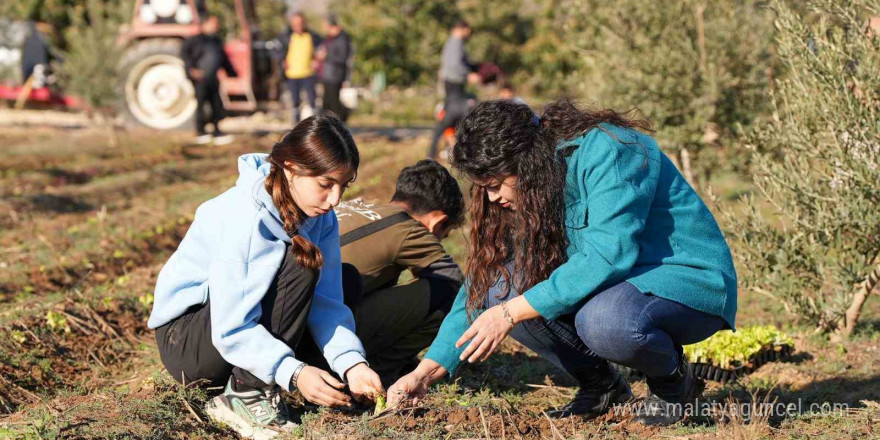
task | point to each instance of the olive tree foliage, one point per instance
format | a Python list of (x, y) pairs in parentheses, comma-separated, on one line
[(810, 238), (56, 13), (84, 32), (404, 38), (92, 56), (698, 69)]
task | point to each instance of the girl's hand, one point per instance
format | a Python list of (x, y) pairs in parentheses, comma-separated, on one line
[(364, 383), (485, 334), (321, 388), (413, 386)]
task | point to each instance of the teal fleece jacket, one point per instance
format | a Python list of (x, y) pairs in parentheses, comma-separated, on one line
[(629, 216)]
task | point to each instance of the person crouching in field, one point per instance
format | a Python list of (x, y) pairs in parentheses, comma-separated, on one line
[(260, 266), (379, 241), (587, 246)]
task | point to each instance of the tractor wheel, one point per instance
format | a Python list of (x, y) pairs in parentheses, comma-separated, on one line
[(155, 90)]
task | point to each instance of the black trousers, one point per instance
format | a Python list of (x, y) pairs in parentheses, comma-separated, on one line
[(208, 92), (331, 99), (455, 105), (185, 344)]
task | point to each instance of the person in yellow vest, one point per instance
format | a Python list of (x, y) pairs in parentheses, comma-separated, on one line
[(299, 47)]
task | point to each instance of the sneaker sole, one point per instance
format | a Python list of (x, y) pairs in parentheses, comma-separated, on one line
[(220, 413), (223, 140)]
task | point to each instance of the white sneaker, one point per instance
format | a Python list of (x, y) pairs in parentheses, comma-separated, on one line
[(204, 139), (259, 414), (223, 139)]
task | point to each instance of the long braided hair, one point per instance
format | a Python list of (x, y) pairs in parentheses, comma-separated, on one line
[(317, 145)]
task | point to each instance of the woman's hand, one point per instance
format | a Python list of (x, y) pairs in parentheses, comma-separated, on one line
[(413, 387), (485, 334), (321, 388), (364, 383)]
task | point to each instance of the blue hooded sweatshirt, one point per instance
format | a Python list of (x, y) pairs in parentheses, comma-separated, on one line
[(230, 255)]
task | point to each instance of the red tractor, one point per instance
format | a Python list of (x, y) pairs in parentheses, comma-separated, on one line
[(154, 87)]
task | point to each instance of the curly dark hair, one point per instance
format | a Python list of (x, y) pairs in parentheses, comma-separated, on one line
[(499, 139), (428, 186)]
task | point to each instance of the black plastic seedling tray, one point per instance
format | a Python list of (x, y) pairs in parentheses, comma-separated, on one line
[(770, 353)]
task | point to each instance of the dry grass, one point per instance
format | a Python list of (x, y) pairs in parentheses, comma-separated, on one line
[(134, 205), (736, 424)]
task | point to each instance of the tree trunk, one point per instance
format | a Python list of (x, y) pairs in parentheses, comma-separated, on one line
[(106, 122), (686, 165), (863, 290), (701, 36), (675, 161)]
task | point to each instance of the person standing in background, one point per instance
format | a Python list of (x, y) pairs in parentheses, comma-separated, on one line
[(455, 71), (335, 53), (299, 47), (35, 55), (203, 56)]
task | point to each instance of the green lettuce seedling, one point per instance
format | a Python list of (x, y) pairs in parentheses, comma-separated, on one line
[(727, 349), (380, 404)]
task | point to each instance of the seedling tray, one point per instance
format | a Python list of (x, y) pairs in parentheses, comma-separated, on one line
[(770, 353), (707, 371)]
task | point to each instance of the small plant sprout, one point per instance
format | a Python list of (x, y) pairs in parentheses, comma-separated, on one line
[(57, 322), (18, 336), (146, 300), (381, 404)]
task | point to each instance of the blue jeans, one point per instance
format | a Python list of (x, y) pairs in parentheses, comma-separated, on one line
[(296, 86), (620, 324)]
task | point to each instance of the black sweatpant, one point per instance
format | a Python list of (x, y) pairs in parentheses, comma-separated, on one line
[(455, 105), (208, 91), (331, 100), (185, 344)]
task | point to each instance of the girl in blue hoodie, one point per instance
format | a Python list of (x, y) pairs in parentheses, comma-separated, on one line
[(259, 268), (587, 246)]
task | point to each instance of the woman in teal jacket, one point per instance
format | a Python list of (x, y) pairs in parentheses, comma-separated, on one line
[(587, 246)]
